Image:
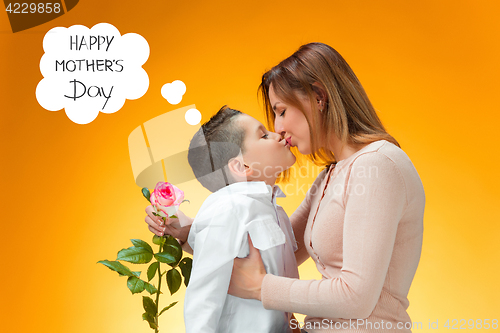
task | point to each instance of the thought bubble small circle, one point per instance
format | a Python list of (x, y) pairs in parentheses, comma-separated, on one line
[(193, 117), (173, 92)]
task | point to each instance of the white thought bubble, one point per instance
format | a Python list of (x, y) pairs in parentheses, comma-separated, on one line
[(173, 92), (87, 71), (193, 117)]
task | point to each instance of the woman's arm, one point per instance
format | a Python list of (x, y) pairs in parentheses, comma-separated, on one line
[(370, 224)]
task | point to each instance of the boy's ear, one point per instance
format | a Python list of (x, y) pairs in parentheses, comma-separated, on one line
[(238, 167)]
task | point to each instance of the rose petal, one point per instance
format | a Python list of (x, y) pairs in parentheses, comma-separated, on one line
[(179, 195), (168, 211), (166, 195), (172, 210), (165, 201)]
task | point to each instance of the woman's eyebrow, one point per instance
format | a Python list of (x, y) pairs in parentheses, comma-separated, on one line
[(275, 106)]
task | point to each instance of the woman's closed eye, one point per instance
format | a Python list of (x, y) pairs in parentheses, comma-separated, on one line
[(282, 113), (265, 136)]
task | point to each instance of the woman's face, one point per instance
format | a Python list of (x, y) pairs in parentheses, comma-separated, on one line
[(291, 123)]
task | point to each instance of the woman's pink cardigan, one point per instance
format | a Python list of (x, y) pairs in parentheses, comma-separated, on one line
[(364, 232)]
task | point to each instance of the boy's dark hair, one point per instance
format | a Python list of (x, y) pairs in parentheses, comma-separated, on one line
[(217, 141)]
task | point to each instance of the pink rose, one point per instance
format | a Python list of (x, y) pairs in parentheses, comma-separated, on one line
[(166, 198)]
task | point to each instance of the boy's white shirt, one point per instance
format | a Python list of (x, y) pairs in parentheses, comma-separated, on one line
[(218, 235)]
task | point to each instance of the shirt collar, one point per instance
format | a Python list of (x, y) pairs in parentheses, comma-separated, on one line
[(253, 188), (277, 192)]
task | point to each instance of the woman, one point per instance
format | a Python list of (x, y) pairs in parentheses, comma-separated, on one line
[(362, 219)]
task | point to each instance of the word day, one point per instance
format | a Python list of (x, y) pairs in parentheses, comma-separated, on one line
[(92, 92)]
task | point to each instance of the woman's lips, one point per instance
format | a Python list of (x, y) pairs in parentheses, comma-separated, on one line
[(287, 142)]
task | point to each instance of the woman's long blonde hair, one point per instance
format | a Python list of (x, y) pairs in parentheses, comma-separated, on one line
[(348, 114)]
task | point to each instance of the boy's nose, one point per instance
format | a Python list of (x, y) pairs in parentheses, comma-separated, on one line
[(278, 137)]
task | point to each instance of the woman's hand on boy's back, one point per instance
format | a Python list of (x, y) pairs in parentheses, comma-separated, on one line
[(247, 275), (177, 227)]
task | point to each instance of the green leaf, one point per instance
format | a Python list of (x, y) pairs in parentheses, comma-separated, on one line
[(173, 280), (165, 257), (146, 193), (150, 288), (149, 305), (150, 319), (152, 270), (185, 265), (158, 240), (141, 243), (135, 255), (168, 255), (166, 308), (173, 217), (135, 285), (119, 268), (172, 242)]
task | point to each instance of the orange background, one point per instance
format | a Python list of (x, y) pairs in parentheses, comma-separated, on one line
[(68, 195)]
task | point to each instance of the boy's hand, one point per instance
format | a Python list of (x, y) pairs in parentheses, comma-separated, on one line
[(177, 227)]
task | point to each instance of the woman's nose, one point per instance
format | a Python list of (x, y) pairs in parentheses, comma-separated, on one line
[(278, 126)]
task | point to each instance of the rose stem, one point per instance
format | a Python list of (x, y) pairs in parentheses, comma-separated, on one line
[(158, 294)]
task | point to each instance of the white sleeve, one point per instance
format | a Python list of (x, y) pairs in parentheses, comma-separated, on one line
[(216, 241)]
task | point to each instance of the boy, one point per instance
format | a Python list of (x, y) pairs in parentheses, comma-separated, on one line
[(235, 157)]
